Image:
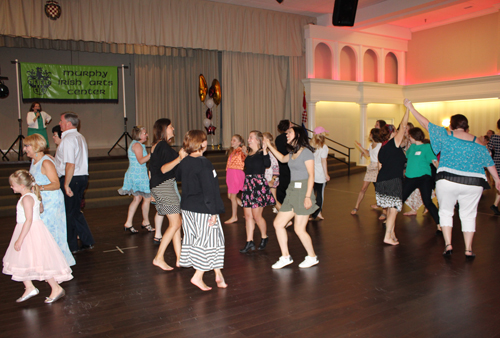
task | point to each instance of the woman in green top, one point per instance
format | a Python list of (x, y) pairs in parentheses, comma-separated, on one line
[(37, 121), (418, 171)]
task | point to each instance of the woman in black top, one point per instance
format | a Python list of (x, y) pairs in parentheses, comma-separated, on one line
[(256, 194), (203, 243), (163, 186), (389, 186)]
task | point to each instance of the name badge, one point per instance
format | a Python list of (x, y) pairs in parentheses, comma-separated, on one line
[(298, 185), (418, 153)]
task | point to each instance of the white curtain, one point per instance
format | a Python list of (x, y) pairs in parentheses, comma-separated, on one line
[(260, 91), (167, 87), (194, 24)]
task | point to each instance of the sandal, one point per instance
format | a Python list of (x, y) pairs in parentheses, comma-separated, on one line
[(447, 253), (157, 240), (382, 217), (148, 227), (471, 256), (354, 211), (131, 229)]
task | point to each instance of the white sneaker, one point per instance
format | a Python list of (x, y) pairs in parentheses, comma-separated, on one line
[(282, 262), (308, 262), (275, 210)]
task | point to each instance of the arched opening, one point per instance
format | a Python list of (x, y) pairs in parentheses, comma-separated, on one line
[(370, 70), (347, 64), (391, 68), (322, 62)]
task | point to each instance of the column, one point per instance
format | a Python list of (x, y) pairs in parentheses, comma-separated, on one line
[(362, 130), (310, 58), (311, 115)]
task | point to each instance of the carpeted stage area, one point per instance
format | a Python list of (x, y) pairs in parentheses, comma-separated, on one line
[(361, 287)]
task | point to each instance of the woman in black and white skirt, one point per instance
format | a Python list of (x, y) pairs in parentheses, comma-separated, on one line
[(163, 186), (203, 243), (256, 193), (389, 186)]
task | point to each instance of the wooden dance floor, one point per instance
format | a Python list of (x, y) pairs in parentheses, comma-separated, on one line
[(360, 288)]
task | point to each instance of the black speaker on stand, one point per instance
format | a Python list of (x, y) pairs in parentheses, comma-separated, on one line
[(344, 12)]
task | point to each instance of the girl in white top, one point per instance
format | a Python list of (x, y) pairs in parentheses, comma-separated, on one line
[(372, 169), (33, 254), (320, 168)]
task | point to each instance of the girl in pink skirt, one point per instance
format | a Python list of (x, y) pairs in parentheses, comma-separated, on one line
[(235, 176), (33, 254)]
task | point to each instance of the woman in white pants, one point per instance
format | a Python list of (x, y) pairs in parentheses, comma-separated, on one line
[(460, 176)]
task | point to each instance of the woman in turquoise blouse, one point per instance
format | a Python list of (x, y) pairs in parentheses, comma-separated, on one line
[(460, 176)]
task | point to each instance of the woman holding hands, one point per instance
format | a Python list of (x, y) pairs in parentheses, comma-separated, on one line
[(299, 201), (460, 176), (389, 186), (256, 194)]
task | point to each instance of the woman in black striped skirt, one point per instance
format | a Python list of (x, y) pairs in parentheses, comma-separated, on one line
[(203, 245), (162, 166)]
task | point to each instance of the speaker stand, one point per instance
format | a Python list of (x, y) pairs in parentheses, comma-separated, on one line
[(125, 135), (19, 140)]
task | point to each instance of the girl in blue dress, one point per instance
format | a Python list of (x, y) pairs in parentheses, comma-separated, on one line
[(136, 180)]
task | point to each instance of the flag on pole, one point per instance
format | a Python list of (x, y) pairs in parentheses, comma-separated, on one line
[(304, 112)]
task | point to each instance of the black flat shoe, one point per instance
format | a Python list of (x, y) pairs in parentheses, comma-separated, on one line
[(156, 240), (495, 210), (250, 246), (263, 243), (439, 232), (471, 256), (131, 229), (447, 253)]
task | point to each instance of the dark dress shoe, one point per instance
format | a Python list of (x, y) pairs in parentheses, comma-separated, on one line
[(263, 243), (86, 247), (250, 246)]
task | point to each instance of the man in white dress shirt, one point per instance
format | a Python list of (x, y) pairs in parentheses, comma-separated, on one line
[(72, 168)]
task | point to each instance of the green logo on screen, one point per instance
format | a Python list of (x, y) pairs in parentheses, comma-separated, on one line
[(39, 80)]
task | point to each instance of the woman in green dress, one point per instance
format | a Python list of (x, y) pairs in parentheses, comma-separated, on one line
[(37, 121)]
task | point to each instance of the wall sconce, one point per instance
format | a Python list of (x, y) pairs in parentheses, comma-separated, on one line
[(445, 123)]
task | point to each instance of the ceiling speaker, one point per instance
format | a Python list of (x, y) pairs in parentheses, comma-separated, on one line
[(344, 12)]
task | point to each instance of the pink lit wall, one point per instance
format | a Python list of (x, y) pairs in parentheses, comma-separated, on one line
[(391, 69), (461, 50), (347, 64), (322, 62), (370, 66)]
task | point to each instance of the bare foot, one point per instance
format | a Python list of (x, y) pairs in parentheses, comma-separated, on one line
[(374, 206), (390, 241), (354, 211), (320, 216), (382, 217), (178, 263), (162, 265), (240, 204), (410, 213), (425, 211), (231, 220), (200, 284), (220, 283), (288, 224)]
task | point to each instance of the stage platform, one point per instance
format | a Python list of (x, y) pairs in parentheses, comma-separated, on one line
[(360, 288)]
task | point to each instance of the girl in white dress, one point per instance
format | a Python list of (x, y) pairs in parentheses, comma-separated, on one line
[(33, 254)]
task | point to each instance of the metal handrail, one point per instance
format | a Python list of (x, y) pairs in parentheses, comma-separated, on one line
[(348, 162)]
